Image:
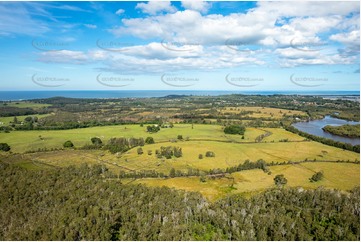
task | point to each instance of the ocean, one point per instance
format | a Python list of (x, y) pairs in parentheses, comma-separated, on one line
[(26, 95)]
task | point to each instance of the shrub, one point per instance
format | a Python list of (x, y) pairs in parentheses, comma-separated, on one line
[(4, 147), (68, 144), (200, 156), (140, 151), (280, 180), (96, 141), (210, 154)]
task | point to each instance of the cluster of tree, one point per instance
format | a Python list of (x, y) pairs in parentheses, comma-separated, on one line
[(153, 128), (5, 129), (347, 130), (115, 145), (346, 146), (78, 203), (246, 165), (235, 129), (168, 152), (259, 138), (4, 147), (9, 111)]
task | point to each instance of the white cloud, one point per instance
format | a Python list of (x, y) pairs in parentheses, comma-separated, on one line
[(308, 8), (90, 26), (63, 56), (120, 11), (350, 38), (155, 7), (200, 6), (289, 34), (155, 58)]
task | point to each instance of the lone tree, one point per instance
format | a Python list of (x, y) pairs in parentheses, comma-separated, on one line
[(280, 180), (68, 144), (4, 147), (96, 141), (140, 151), (172, 173), (317, 176), (149, 140), (210, 154)]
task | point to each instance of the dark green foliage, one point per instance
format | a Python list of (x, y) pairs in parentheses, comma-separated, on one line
[(316, 177), (280, 180), (149, 140), (80, 203), (235, 129), (123, 144), (169, 151), (140, 151), (4, 147), (200, 156), (68, 144), (210, 154), (153, 128), (180, 137), (347, 130), (172, 173), (96, 141)]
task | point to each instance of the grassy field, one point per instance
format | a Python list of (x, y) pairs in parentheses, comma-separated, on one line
[(336, 175), (22, 141), (263, 112), (227, 155), (7, 120), (25, 104), (230, 150)]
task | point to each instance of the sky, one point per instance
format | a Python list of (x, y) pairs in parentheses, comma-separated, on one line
[(163, 45)]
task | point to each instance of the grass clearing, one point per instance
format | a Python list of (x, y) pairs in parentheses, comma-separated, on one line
[(22, 141), (231, 154), (25, 104), (7, 120), (263, 112), (341, 176)]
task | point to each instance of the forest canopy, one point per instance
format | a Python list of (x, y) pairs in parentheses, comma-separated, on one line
[(81, 203)]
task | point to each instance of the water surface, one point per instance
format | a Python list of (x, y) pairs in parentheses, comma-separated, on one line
[(315, 127)]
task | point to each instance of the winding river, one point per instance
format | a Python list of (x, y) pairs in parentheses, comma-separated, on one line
[(315, 127)]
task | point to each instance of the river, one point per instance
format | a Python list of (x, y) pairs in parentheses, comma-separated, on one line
[(315, 127)]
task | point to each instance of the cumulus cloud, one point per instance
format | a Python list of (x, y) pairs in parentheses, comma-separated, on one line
[(155, 7), (200, 6), (120, 11), (287, 33)]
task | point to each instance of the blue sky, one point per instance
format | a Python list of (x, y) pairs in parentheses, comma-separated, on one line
[(166, 45)]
